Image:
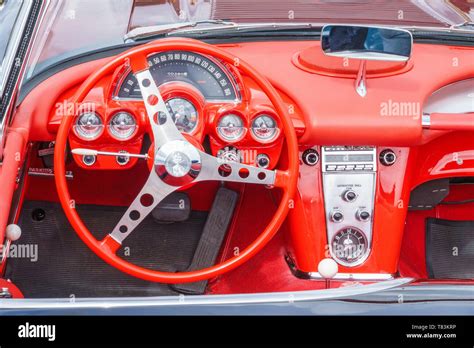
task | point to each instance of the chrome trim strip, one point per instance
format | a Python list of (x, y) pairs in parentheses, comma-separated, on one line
[(196, 300), (353, 276), (339, 276), (47, 172)]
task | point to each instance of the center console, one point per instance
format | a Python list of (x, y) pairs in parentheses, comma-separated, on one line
[(348, 177), (350, 206)]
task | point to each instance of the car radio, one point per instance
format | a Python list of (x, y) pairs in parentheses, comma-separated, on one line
[(349, 174)]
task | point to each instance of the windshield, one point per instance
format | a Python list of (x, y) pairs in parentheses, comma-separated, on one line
[(76, 26), (9, 11)]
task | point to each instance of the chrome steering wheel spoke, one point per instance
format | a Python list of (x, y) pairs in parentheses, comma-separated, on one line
[(177, 163), (214, 168), (154, 191), (162, 125)]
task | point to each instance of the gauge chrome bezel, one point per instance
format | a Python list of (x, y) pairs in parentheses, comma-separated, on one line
[(198, 115), (244, 127), (358, 261), (117, 137), (76, 126), (262, 140)]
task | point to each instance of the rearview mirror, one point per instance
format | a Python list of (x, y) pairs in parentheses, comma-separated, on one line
[(368, 43)]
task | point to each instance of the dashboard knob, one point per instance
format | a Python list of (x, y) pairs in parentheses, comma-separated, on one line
[(387, 157), (363, 215), (337, 216), (349, 196), (122, 160), (263, 161), (310, 157), (88, 160)]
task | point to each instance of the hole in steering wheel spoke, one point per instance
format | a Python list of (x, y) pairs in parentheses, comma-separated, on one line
[(244, 173), (224, 170), (134, 215), (152, 100), (146, 83), (159, 118), (146, 200)]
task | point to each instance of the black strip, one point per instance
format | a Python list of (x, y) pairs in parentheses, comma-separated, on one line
[(239, 331)]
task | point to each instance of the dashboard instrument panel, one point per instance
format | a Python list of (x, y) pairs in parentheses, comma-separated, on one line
[(207, 75)]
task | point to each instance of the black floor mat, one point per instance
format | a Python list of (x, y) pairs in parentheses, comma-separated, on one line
[(449, 249), (66, 267)]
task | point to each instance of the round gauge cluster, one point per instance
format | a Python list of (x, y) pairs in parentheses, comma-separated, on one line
[(184, 114), (263, 128), (231, 127), (89, 126), (122, 125)]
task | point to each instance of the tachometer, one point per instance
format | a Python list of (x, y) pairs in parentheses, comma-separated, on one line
[(201, 72)]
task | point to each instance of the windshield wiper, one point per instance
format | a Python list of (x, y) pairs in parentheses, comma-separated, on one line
[(155, 30)]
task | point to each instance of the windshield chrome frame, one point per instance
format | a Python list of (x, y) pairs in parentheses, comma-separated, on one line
[(14, 42), (22, 22)]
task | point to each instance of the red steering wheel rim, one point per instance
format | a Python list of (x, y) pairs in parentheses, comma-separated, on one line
[(288, 186)]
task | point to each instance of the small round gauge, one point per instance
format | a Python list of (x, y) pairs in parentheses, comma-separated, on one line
[(122, 125), (184, 114), (349, 246), (231, 127), (88, 126), (264, 128)]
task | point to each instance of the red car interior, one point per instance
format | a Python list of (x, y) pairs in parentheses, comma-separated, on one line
[(277, 235)]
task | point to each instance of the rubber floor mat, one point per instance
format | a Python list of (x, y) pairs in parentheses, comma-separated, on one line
[(64, 266), (449, 249)]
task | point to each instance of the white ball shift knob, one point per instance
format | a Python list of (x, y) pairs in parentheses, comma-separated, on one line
[(13, 232), (328, 268)]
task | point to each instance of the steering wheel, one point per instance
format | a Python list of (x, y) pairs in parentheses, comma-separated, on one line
[(176, 163)]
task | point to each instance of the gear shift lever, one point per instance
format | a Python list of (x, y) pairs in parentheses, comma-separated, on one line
[(328, 268), (12, 234)]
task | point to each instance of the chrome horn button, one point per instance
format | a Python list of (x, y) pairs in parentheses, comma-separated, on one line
[(178, 163)]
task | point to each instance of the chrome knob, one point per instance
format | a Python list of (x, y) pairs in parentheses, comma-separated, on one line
[(310, 157), (363, 215), (336, 216), (387, 157), (349, 196)]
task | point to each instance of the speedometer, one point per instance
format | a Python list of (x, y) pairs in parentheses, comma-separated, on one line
[(199, 71)]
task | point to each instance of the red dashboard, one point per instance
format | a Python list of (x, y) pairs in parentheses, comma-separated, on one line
[(325, 111)]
